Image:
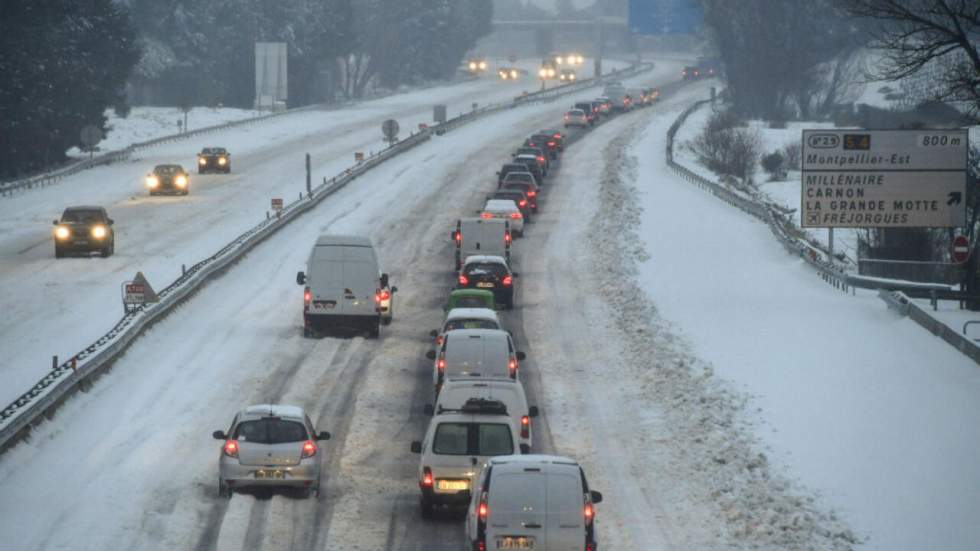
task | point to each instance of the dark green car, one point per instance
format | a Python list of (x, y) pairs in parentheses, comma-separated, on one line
[(84, 230), (470, 298)]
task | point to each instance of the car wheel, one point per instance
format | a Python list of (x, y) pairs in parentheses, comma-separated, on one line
[(375, 331), (223, 489), (105, 252), (427, 508)]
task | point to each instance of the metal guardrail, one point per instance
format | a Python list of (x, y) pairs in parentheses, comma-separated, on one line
[(894, 292), (64, 380)]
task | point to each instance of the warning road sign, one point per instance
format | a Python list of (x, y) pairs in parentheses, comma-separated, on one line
[(883, 178)]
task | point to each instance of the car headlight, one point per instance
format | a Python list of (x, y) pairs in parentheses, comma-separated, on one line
[(542, 73), (513, 74), (181, 181), (202, 161), (483, 65), (98, 232), (472, 66), (222, 161), (62, 232), (152, 181)]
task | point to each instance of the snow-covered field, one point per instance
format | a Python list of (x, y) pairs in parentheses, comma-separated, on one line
[(864, 412)]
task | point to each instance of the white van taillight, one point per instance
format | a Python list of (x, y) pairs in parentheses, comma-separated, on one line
[(463, 280), (380, 295), (231, 448), (589, 513), (486, 215), (508, 280), (307, 296), (507, 237), (516, 215), (458, 236), (441, 364), (309, 448), (426, 481), (512, 368), (483, 511), (525, 427)]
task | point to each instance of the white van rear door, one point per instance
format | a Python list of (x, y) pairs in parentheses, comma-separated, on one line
[(360, 285), (517, 506), (566, 511)]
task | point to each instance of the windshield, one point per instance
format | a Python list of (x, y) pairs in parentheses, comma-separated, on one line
[(470, 302), (270, 431), (167, 169), (519, 177), (82, 216), (473, 439), (470, 324), (485, 268)]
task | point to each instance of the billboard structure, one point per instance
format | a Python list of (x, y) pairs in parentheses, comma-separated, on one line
[(657, 17), (270, 75)]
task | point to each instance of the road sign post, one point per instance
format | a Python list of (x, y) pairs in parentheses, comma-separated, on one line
[(277, 206), (883, 178), (137, 292)]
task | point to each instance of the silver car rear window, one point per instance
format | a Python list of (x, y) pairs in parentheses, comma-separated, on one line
[(270, 431)]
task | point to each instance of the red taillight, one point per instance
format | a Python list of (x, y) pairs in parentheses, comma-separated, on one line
[(508, 280), (540, 158), (551, 144), (507, 237), (557, 135), (231, 448), (442, 364), (486, 215), (381, 295), (512, 368), (307, 295), (426, 481), (515, 216), (588, 512), (483, 511), (532, 193), (309, 448), (458, 237), (482, 546), (463, 280), (522, 203), (567, 117), (525, 427)]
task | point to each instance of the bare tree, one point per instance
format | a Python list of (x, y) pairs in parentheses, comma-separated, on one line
[(915, 34)]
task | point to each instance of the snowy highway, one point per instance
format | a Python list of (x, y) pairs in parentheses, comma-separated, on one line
[(135, 457), (76, 300)]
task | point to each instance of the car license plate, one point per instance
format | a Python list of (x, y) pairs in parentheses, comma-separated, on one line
[(270, 473), (325, 304), (456, 485), (515, 542), (484, 285)]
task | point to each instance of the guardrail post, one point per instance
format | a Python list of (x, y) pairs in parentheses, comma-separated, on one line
[(308, 187), (54, 362), (183, 269)]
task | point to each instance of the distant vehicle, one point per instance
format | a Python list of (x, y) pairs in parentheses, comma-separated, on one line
[(532, 164), (567, 75), (481, 236), (709, 66), (539, 502), (476, 65), (270, 445), (517, 167), (470, 298), (690, 72), (548, 70), (518, 197), (456, 392), (544, 142), (576, 117), (590, 109), (652, 94), (504, 210), (558, 135), (454, 445), (85, 230), (519, 183), (539, 155), (171, 179), (618, 96), (466, 318), (213, 159), (345, 287), (510, 73), (490, 273), (605, 105), (474, 353)]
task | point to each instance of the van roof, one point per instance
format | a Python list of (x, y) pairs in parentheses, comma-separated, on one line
[(522, 461), (265, 410), (484, 221), (343, 240)]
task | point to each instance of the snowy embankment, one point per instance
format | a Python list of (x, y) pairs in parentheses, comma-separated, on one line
[(864, 412)]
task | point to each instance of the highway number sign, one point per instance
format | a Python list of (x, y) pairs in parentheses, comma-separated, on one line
[(135, 293), (883, 178), (277, 204), (961, 249)]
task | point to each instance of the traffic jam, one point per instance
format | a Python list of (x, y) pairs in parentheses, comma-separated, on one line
[(477, 454)]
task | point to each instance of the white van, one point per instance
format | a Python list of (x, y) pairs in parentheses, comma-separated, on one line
[(456, 392), (481, 236), (344, 287), (616, 93), (474, 353), (540, 502)]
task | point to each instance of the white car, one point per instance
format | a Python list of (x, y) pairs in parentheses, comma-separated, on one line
[(466, 318), (506, 210), (456, 392), (540, 502), (474, 353), (456, 445), (576, 117), (270, 445)]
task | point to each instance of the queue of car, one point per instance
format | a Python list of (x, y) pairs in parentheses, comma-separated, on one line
[(87, 229)]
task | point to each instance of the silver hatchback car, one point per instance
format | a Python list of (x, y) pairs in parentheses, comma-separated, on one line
[(270, 445)]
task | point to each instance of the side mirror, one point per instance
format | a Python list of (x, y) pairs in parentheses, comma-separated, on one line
[(394, 289), (384, 280), (219, 435), (532, 411), (596, 496), (525, 449), (111, 221), (521, 355), (323, 435), (300, 278), (431, 354), (515, 274), (428, 409), (498, 173), (416, 447), (434, 333), (55, 222)]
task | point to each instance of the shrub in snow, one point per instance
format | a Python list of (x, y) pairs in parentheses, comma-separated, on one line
[(793, 154), (722, 120), (777, 123), (730, 151), (773, 164)]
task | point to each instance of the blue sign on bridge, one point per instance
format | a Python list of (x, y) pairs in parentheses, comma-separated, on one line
[(664, 16)]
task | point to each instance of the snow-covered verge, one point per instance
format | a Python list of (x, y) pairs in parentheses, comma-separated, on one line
[(815, 400)]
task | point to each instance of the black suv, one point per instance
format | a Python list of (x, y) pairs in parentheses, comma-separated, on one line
[(86, 230), (213, 159)]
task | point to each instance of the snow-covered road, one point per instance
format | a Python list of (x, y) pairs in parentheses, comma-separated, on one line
[(56, 307)]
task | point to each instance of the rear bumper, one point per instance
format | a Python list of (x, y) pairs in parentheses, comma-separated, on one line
[(341, 321), (306, 474), (441, 498)]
